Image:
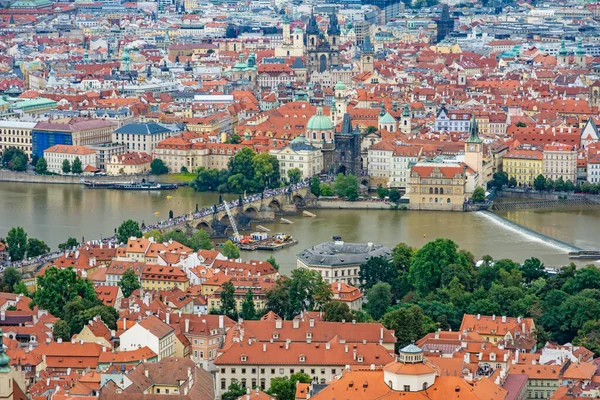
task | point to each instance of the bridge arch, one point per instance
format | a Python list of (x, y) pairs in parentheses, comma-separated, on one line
[(298, 198), (203, 225), (225, 220), (251, 212), (274, 205)]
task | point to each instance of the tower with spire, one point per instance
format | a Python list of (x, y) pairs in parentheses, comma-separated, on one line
[(323, 51), (580, 58), (474, 151), (125, 60), (366, 55), (405, 120)]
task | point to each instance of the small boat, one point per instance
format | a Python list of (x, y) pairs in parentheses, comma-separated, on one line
[(145, 186)]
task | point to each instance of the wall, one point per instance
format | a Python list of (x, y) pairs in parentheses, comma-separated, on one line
[(354, 205), (13, 176)]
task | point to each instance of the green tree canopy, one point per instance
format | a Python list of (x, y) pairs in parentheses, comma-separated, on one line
[(234, 391), (158, 167), (16, 242), (230, 250), (273, 262), (227, 299), (326, 190), (129, 282), (36, 247), (336, 311), (376, 269), (382, 192), (12, 277), (69, 244), (379, 298), (66, 166), (539, 182), (315, 186), (409, 324), (284, 388), (41, 167), (395, 195), (248, 309), (61, 330), (294, 175), (57, 287), (76, 168), (128, 229), (478, 195)]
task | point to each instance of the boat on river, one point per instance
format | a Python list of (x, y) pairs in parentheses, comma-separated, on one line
[(145, 186)]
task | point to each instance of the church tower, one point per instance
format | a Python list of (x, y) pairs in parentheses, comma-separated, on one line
[(287, 39), (339, 109), (474, 151), (594, 95), (580, 58), (405, 120), (563, 56), (366, 55), (125, 59)]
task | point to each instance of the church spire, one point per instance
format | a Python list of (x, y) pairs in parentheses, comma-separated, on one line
[(367, 46), (4, 358), (334, 26), (311, 27), (474, 131)]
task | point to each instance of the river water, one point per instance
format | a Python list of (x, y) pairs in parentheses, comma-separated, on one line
[(55, 212)]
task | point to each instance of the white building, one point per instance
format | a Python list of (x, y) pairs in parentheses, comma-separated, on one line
[(391, 162), (452, 120), (16, 134), (141, 136), (299, 154), (57, 154), (153, 333)]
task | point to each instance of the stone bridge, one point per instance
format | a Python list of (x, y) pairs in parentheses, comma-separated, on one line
[(259, 210)]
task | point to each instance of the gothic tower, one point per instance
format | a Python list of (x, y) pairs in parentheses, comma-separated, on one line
[(563, 56), (366, 55), (339, 109), (474, 151)]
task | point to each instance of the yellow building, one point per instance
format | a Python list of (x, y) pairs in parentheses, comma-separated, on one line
[(16, 134), (258, 286), (158, 277), (129, 163), (439, 186), (524, 165)]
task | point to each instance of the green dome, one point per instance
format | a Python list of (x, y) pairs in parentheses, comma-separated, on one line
[(4, 358), (340, 86), (319, 122)]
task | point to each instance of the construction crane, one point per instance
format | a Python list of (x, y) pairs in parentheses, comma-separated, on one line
[(236, 234)]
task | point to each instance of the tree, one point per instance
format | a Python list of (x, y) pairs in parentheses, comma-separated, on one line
[(382, 192), (209, 179), (69, 244), (21, 288), (589, 336), (352, 191), (521, 124), (370, 129), (379, 298), (61, 330), (234, 139), (409, 325), (129, 282), (559, 184), (533, 269), (284, 388), (12, 277), (512, 182), (395, 195), (294, 175), (340, 185), (500, 179), (326, 190), (200, 241), (19, 163), (41, 167), (230, 250), (266, 172), (158, 167), (36, 247), (429, 268), (569, 186), (184, 169), (478, 195), (128, 229), (77, 168), (315, 186), (304, 290), (66, 166), (234, 391), (337, 311), (57, 287), (375, 269), (227, 299), (154, 234), (16, 241), (273, 262), (539, 183), (248, 310)]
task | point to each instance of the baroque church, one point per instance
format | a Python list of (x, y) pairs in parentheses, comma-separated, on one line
[(322, 50)]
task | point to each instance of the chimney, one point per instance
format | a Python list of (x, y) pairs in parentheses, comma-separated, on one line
[(287, 345), (168, 318), (372, 367), (146, 372), (327, 346), (517, 356), (2, 315), (380, 333), (104, 349), (494, 317), (354, 354), (221, 321), (59, 340), (296, 323), (311, 322), (264, 347), (478, 317), (345, 348), (504, 318), (124, 323)]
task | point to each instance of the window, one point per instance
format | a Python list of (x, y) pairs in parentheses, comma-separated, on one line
[(407, 388)]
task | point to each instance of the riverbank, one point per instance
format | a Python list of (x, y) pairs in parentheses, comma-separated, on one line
[(29, 177), (356, 205)]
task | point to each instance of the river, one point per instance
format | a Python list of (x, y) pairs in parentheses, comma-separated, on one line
[(55, 212)]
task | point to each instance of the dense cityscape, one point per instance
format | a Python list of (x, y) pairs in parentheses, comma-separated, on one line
[(299, 199)]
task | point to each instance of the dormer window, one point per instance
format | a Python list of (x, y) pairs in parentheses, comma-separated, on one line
[(302, 358), (276, 336), (308, 335), (243, 358), (360, 359)]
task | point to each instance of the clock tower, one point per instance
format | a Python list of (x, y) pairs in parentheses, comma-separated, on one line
[(474, 151)]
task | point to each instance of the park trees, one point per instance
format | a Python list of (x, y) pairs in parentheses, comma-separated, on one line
[(41, 167), (69, 244), (128, 229), (66, 166), (539, 183), (379, 298), (14, 159), (315, 186), (248, 308), (336, 311), (478, 195), (36, 247), (230, 250), (16, 241), (375, 269), (76, 167), (227, 299), (284, 388), (294, 175)]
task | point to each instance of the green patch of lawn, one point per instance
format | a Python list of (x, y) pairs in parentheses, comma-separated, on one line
[(185, 177)]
